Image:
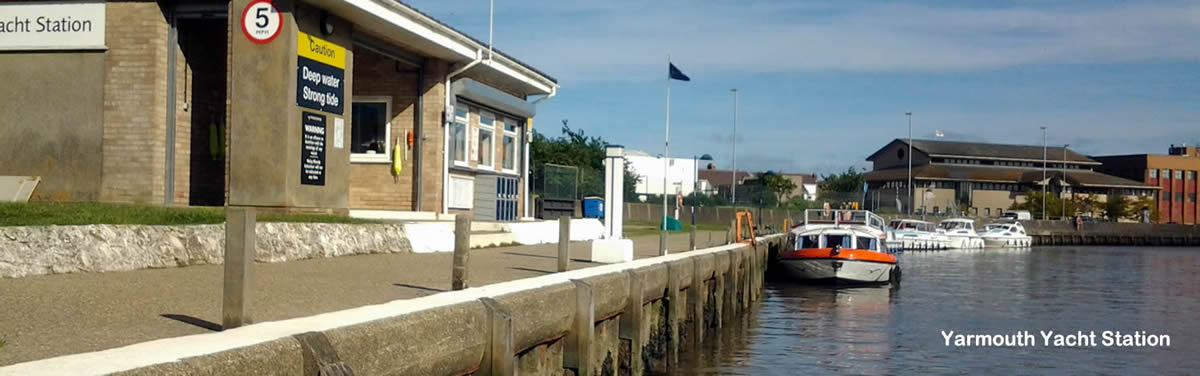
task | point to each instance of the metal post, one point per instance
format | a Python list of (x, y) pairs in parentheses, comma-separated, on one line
[(695, 177), (910, 190), (239, 266), (1062, 197), (662, 237), (462, 248), (564, 242), (733, 176), (1044, 182)]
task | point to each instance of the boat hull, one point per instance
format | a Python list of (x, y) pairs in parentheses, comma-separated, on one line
[(1007, 242), (966, 242), (837, 270)]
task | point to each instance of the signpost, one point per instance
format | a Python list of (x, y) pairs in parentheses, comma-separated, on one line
[(261, 22)]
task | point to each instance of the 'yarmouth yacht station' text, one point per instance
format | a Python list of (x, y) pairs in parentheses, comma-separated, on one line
[(1050, 338)]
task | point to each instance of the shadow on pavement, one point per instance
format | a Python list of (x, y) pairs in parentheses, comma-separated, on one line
[(530, 270), (415, 287), (194, 321)]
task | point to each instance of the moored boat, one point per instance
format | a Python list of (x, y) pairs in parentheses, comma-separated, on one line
[(914, 234), (840, 246), (1009, 234), (961, 232)]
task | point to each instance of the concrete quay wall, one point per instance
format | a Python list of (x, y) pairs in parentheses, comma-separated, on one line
[(1108, 233), (621, 319)]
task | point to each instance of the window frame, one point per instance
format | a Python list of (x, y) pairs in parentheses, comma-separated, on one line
[(517, 145), (465, 122), (386, 157), (1178, 174), (1191, 175), (1153, 173), (491, 163)]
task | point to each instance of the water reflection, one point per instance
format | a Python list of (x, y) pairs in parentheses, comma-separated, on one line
[(800, 329)]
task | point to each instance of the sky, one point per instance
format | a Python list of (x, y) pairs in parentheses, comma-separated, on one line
[(822, 85)]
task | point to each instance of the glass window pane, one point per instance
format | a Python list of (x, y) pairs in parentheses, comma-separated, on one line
[(510, 125), (460, 142), (460, 111), (510, 152), (485, 147), (368, 129), (486, 120)]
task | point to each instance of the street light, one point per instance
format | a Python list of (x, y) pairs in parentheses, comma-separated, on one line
[(695, 191), (910, 192), (1064, 184), (733, 175), (1044, 182)]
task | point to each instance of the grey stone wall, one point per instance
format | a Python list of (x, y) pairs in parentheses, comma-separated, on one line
[(39, 250)]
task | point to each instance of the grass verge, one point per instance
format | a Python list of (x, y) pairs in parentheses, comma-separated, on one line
[(90, 213)]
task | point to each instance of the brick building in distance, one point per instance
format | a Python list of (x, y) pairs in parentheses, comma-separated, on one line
[(1175, 173)]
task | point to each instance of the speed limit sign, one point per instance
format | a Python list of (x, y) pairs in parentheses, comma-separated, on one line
[(261, 22)]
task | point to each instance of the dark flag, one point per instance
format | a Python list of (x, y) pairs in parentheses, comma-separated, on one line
[(675, 74)]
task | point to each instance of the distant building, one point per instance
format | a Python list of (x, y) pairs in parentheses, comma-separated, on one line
[(719, 181), (806, 185), (1174, 174), (681, 174), (980, 179)]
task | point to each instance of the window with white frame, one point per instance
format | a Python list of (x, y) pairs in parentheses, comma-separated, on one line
[(458, 135), (370, 129), (511, 145), (1154, 173), (487, 144)]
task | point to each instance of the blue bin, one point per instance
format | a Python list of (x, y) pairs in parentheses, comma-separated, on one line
[(593, 207)]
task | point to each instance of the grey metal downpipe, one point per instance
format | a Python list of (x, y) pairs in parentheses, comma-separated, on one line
[(418, 135)]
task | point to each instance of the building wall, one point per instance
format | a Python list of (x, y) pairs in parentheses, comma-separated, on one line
[(432, 136), (997, 201), (942, 198), (373, 185), (650, 169), (135, 84), (1138, 168), (890, 158), (52, 123)]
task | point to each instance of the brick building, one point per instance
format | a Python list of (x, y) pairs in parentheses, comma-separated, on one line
[(980, 179), (295, 104), (1174, 174)]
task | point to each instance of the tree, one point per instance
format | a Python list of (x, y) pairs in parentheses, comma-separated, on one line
[(574, 148), (1117, 207), (849, 181), (778, 185), (1147, 202)]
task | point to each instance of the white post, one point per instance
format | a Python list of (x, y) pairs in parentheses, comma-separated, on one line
[(733, 176), (614, 191), (1044, 182)]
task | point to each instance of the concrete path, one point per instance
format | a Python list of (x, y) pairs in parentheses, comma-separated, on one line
[(54, 315)]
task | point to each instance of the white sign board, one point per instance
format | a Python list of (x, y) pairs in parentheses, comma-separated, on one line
[(52, 26)]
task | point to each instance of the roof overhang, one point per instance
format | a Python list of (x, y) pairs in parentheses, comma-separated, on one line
[(397, 23), (1013, 159)]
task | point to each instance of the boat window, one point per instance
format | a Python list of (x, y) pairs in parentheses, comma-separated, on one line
[(866, 242), (809, 242), (840, 240)]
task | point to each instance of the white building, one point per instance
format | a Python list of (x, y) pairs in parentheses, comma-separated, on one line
[(681, 175)]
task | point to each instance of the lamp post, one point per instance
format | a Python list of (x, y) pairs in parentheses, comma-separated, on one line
[(910, 190), (1044, 182), (733, 175), (696, 191), (1064, 184)]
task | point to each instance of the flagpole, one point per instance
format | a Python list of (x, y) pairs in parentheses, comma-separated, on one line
[(662, 237)]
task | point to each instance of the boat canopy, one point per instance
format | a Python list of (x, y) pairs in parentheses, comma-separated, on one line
[(843, 217)]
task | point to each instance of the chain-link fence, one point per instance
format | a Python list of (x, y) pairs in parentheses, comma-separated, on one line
[(559, 182)]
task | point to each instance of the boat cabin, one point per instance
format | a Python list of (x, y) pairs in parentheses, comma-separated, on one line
[(830, 238)]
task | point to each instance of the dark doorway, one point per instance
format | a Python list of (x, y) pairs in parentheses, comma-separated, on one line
[(202, 39)]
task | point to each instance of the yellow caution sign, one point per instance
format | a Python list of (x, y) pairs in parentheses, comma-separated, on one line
[(320, 50)]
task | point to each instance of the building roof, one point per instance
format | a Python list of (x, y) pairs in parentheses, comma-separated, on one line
[(940, 148), (1083, 178), (721, 177)]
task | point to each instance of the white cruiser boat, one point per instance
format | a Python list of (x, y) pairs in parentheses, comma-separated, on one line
[(1010, 234), (961, 232), (839, 246), (915, 234)]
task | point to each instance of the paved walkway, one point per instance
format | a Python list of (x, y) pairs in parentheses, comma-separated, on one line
[(54, 315)]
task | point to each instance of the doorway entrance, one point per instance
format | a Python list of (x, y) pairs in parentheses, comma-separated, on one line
[(201, 79)]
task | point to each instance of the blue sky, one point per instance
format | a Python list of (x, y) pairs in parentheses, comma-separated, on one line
[(824, 84)]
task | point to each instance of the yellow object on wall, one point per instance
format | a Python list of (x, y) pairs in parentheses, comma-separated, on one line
[(397, 158)]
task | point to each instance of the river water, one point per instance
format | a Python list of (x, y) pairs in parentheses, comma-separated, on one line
[(805, 330)]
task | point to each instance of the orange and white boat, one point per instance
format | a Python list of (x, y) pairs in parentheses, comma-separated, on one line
[(840, 246)]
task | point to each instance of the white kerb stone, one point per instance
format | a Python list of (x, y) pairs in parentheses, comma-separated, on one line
[(611, 251)]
